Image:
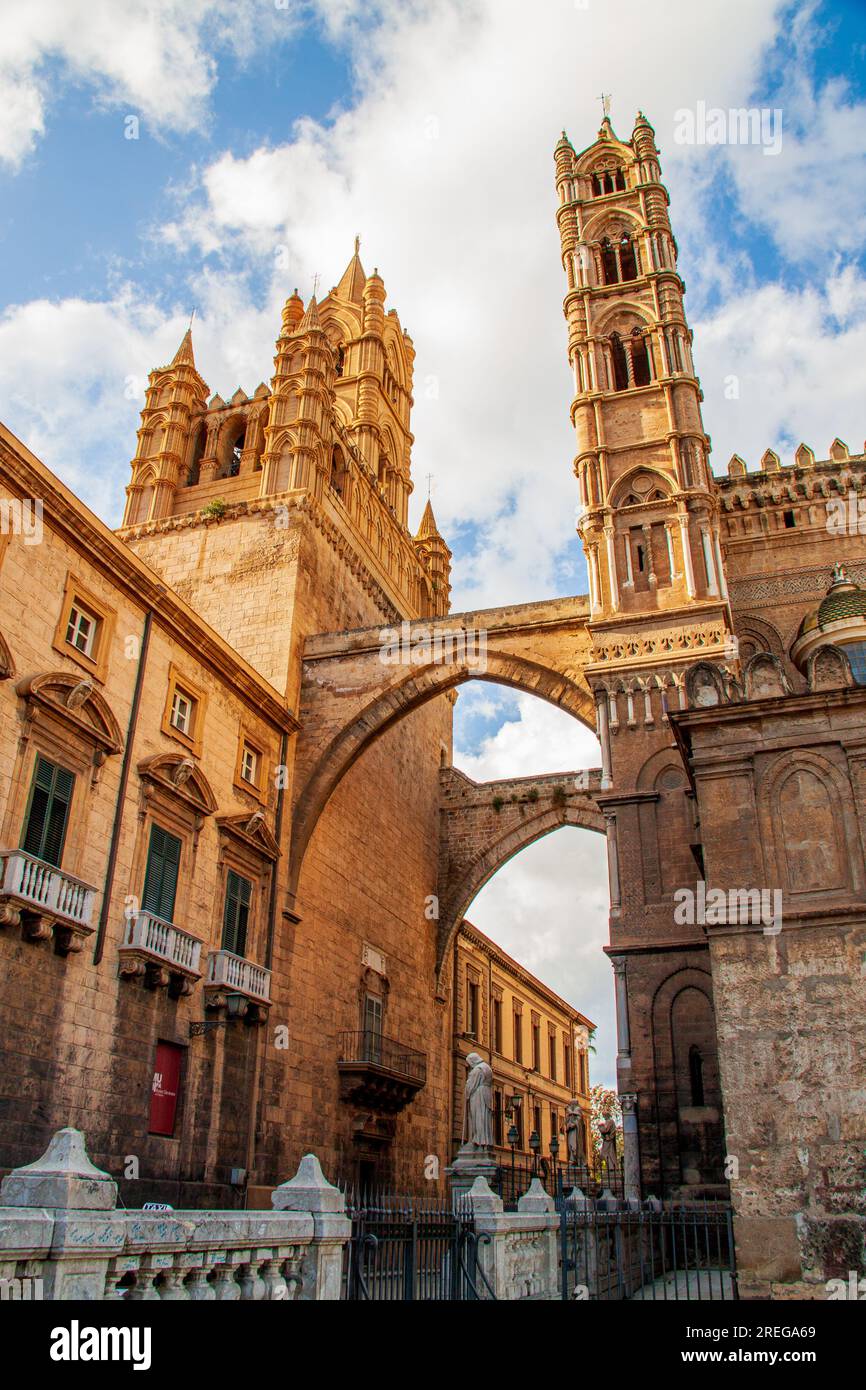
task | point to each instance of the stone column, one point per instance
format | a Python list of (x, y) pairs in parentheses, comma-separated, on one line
[(603, 727), (687, 554), (631, 1146), (611, 565), (623, 1055), (612, 862)]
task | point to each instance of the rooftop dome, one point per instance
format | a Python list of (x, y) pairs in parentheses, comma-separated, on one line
[(844, 599)]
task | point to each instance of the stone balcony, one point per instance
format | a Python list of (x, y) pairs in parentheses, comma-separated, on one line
[(160, 952), (228, 974), (379, 1073), (41, 899)]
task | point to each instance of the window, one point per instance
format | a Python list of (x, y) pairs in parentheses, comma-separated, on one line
[(165, 1089), (536, 1120), (497, 1025), (160, 876), (640, 359), (696, 1075), (250, 765), (236, 913), (518, 1036), (81, 629), (566, 1057), (84, 628), (627, 258), (552, 1042), (183, 712), (790, 520), (372, 1028), (340, 364), (472, 1008), (856, 654), (47, 812), (536, 1046), (183, 718), (620, 366)]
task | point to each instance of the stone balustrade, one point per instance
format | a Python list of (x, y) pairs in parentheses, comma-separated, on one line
[(59, 1224), (230, 972), (148, 937), (518, 1252), (40, 896)]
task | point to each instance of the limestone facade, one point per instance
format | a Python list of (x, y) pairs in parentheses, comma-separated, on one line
[(536, 1044)]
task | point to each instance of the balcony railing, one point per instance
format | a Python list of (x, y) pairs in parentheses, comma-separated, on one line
[(234, 973), (368, 1047), (148, 935), (46, 890)]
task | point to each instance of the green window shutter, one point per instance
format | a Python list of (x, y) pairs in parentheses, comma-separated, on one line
[(48, 812), (236, 913), (160, 878)]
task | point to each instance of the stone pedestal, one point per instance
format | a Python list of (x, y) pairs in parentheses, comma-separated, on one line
[(472, 1162)]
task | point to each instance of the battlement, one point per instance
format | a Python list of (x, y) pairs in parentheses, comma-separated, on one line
[(804, 462)]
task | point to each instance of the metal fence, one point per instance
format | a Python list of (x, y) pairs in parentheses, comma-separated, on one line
[(558, 1180), (675, 1252), (411, 1249)]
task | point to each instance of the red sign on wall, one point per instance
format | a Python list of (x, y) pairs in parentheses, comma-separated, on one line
[(165, 1088)]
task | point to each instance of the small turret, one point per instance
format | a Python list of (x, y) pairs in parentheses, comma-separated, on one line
[(436, 559)]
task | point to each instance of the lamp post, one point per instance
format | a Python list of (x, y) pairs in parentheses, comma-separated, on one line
[(554, 1155), (513, 1137), (535, 1146)]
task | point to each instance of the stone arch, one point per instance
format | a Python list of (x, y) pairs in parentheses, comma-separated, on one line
[(583, 814), (759, 634), (7, 665), (688, 985), (625, 485), (413, 688), (822, 821)]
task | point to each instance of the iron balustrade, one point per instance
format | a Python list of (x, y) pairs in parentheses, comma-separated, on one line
[(676, 1252), (372, 1049), (412, 1249)]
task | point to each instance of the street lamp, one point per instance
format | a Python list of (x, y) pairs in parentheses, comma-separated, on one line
[(535, 1146), (554, 1155), (513, 1137)]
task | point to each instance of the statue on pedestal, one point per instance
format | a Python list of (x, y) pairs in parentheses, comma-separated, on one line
[(478, 1104), (575, 1133)]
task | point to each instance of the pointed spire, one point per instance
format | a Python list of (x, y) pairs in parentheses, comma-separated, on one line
[(311, 317), (351, 287), (184, 356), (428, 528)]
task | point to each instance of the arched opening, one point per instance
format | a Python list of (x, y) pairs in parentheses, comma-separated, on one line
[(196, 455)]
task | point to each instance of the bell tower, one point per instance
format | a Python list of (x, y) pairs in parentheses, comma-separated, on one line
[(649, 528), (649, 525)]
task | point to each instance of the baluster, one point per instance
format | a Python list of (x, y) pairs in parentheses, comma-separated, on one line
[(276, 1288), (252, 1286), (198, 1288), (225, 1286), (171, 1287)]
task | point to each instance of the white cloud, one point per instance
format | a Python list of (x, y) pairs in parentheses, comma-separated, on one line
[(548, 907), (155, 57)]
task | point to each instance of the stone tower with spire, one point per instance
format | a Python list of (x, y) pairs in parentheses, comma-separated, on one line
[(658, 601), (225, 494)]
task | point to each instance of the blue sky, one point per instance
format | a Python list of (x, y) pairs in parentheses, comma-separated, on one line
[(429, 128)]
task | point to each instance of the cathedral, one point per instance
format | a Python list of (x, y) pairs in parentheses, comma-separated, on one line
[(235, 857)]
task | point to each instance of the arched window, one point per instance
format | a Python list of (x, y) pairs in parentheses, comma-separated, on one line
[(696, 1075), (609, 264), (340, 364), (196, 456), (640, 358), (620, 180), (627, 257), (233, 447), (597, 188), (620, 367)]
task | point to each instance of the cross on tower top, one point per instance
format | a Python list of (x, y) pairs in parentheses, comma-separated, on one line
[(316, 278), (605, 104), (429, 485)]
